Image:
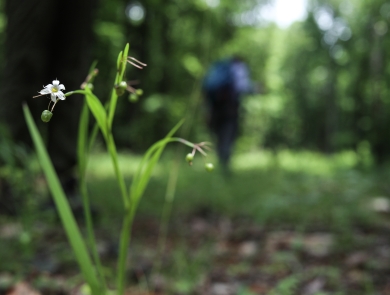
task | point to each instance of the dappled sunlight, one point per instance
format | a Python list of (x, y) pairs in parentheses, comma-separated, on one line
[(100, 165), (295, 161), (277, 187)]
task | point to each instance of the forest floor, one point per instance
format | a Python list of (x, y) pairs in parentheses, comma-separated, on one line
[(299, 224), (210, 255)]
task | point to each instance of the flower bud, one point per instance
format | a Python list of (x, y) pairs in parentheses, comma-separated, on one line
[(120, 88), (209, 167), (89, 86), (133, 97), (139, 92), (189, 158), (46, 116)]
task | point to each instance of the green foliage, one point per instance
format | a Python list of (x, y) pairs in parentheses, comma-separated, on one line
[(290, 284), (104, 116), (179, 39), (332, 90), (322, 88), (286, 286), (300, 188), (66, 215)]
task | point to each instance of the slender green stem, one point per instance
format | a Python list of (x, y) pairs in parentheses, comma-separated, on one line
[(106, 130), (124, 245), (94, 132), (168, 203), (75, 92), (173, 177), (114, 158), (119, 77), (113, 153), (111, 111), (140, 181), (72, 230), (90, 232), (162, 237), (125, 234), (82, 155), (92, 138)]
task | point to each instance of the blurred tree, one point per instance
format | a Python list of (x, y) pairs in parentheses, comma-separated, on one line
[(322, 82), (177, 40), (335, 70), (46, 40)]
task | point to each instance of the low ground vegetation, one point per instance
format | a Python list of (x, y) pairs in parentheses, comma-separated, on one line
[(282, 223)]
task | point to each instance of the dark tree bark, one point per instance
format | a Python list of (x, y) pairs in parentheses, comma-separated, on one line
[(46, 40)]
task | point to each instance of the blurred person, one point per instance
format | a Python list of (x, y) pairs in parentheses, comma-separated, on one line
[(224, 85), (46, 40)]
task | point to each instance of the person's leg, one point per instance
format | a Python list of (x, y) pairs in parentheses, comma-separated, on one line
[(226, 135)]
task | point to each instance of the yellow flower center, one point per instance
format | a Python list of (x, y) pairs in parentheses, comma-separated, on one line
[(54, 89)]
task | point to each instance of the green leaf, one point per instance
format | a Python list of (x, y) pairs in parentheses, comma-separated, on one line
[(98, 111), (121, 64), (82, 139), (141, 179), (82, 155), (118, 61), (124, 61), (115, 162), (61, 202), (145, 169)]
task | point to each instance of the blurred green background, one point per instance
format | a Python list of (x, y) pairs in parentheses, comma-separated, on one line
[(314, 144), (321, 82)]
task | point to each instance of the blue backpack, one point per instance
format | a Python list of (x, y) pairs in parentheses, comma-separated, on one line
[(218, 77)]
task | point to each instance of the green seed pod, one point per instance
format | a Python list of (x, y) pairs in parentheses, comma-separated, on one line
[(139, 92), (189, 158), (209, 167), (120, 88), (133, 97), (46, 116)]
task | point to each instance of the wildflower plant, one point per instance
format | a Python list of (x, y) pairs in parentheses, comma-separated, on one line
[(86, 251)]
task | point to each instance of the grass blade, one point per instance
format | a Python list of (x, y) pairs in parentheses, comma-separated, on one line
[(144, 172), (97, 110), (66, 215), (137, 188), (82, 139)]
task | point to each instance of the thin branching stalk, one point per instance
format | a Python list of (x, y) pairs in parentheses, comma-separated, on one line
[(173, 178), (111, 147), (82, 153)]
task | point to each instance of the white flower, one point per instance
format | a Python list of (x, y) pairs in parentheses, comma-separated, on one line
[(54, 90)]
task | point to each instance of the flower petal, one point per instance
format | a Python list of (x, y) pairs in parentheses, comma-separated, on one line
[(45, 91), (61, 87), (53, 97), (60, 95), (56, 82)]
